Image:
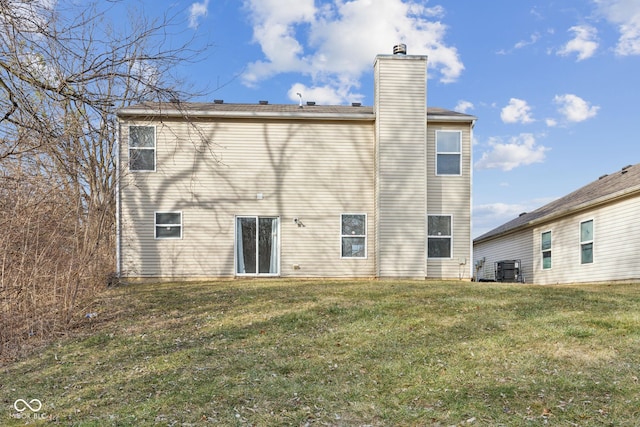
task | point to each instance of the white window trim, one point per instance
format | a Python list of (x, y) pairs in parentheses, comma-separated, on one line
[(366, 239), (235, 246), (449, 236), (156, 225), (129, 148), (586, 242), (550, 250), (459, 153)]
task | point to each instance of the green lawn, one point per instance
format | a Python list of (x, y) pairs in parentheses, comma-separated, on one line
[(341, 353)]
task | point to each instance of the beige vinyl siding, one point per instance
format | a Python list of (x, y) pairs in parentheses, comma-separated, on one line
[(518, 245), (615, 246), (451, 195), (401, 165), (311, 170)]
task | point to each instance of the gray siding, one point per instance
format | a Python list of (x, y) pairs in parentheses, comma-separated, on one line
[(451, 195), (516, 245), (615, 247), (313, 171), (401, 165)]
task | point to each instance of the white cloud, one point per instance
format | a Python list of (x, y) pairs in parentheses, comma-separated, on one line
[(334, 42), (524, 43), (322, 95), (574, 108), (463, 106), (584, 43), (521, 150), (551, 122), (626, 15), (518, 111), (28, 16), (488, 216), (197, 11)]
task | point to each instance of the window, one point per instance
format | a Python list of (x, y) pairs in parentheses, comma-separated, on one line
[(439, 236), (353, 235), (142, 148), (586, 242), (168, 225), (545, 246), (448, 152)]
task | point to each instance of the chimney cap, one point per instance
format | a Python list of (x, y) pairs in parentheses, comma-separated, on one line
[(400, 49)]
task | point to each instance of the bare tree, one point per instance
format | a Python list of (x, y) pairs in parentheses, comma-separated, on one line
[(64, 71)]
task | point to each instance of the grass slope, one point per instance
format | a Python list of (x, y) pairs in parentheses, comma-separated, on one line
[(341, 353)]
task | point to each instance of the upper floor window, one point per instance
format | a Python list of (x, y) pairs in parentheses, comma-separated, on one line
[(586, 242), (353, 235), (448, 152), (439, 236), (142, 148), (545, 247), (168, 225)]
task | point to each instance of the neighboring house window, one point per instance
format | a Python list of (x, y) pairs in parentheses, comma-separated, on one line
[(353, 235), (545, 246), (448, 152), (586, 242), (439, 236), (142, 148), (168, 225)]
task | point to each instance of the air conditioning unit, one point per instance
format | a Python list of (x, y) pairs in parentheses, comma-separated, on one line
[(508, 271)]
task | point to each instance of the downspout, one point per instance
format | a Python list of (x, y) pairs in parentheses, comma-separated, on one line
[(118, 234), (471, 272)]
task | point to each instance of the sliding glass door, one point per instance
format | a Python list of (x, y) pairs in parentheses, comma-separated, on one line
[(257, 245)]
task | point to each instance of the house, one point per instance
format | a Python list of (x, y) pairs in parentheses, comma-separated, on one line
[(589, 235), (221, 190)]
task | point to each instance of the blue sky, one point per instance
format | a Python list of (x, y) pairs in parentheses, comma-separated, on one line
[(554, 84)]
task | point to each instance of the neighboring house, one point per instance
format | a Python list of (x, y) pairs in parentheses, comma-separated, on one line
[(590, 235), (221, 190)]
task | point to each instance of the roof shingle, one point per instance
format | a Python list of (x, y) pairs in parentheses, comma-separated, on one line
[(623, 182)]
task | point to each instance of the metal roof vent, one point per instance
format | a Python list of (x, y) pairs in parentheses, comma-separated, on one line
[(218, 101), (311, 103), (400, 49), (263, 102)]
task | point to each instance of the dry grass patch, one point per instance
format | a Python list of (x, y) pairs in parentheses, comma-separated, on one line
[(318, 352)]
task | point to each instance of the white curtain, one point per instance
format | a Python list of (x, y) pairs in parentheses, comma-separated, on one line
[(240, 248), (273, 262)]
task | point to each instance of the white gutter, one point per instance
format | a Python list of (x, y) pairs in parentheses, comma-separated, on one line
[(246, 114)]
